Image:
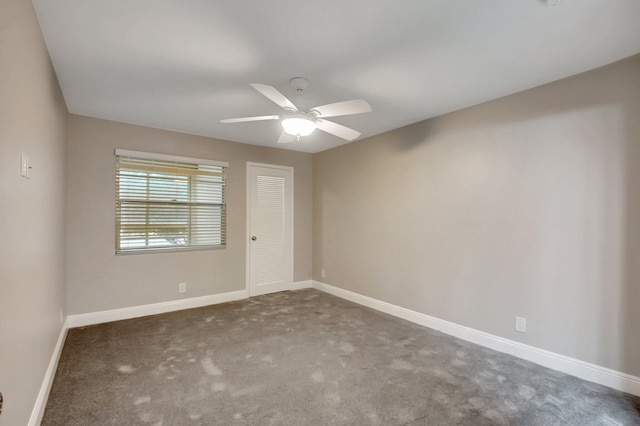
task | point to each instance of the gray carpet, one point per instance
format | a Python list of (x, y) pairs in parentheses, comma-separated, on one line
[(308, 358)]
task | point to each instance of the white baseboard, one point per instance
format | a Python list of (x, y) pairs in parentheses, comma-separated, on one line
[(575, 367), (81, 320), (45, 388), (301, 285)]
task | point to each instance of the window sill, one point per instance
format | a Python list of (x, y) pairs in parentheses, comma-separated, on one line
[(167, 250)]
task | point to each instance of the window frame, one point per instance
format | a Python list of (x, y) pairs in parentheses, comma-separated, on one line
[(179, 160)]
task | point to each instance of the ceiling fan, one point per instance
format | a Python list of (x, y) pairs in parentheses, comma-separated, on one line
[(298, 122)]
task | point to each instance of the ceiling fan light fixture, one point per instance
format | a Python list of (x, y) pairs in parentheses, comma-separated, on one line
[(298, 126)]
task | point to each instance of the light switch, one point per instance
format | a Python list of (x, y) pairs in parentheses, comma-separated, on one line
[(23, 165)]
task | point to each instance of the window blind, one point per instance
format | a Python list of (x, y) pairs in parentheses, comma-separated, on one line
[(169, 205)]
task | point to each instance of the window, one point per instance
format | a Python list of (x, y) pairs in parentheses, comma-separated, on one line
[(165, 203)]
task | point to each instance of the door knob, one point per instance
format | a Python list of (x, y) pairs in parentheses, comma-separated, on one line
[(254, 238)]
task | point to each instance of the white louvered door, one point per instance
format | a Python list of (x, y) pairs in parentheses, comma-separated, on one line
[(270, 228)]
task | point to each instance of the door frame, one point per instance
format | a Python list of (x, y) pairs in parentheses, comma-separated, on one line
[(249, 165)]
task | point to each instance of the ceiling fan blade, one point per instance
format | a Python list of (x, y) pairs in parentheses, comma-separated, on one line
[(243, 119), (337, 129), (356, 106), (286, 138), (274, 95)]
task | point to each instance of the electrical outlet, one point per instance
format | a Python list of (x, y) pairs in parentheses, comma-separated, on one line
[(182, 287), (521, 324), (321, 273)]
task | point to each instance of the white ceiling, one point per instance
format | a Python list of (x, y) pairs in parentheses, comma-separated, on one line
[(184, 65)]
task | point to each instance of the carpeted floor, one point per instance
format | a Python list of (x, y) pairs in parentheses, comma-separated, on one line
[(308, 358)]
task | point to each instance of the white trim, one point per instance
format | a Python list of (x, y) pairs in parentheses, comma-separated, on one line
[(167, 157), (269, 166), (575, 367), (80, 320), (47, 381), (247, 220), (290, 285), (301, 285)]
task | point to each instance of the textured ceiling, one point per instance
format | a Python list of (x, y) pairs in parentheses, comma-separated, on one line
[(184, 65)]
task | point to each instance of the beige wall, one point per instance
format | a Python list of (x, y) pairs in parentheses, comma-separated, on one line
[(32, 292), (100, 280), (528, 205)]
